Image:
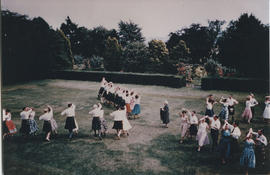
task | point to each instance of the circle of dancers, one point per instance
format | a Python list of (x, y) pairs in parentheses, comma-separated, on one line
[(127, 106)]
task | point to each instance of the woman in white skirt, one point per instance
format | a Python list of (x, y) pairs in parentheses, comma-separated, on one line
[(126, 124), (247, 114), (266, 112), (202, 135), (183, 124)]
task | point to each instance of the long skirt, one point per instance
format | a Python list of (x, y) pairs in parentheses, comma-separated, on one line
[(101, 90), (128, 108), (104, 125), (25, 127), (136, 110), (247, 158), (166, 118), (247, 114), (183, 128), (54, 124), (231, 110), (96, 123), (224, 147), (161, 115), (209, 112), (118, 125), (77, 126), (47, 126), (224, 114), (70, 123), (193, 130), (126, 124), (202, 138), (33, 126)]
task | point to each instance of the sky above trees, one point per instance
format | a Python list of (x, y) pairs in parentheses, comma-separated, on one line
[(157, 18)]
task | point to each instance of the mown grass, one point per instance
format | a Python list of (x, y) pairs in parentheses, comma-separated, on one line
[(150, 149)]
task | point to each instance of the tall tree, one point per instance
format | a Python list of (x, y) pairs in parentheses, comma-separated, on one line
[(129, 32), (245, 46), (71, 30), (112, 55), (159, 57), (135, 57)]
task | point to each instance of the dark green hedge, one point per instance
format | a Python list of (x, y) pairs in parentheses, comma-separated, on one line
[(235, 84), (122, 77)]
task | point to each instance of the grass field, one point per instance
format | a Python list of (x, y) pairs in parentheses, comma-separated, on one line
[(149, 149)]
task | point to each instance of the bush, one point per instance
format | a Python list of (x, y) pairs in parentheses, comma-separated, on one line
[(121, 77), (235, 84), (212, 67), (96, 62)]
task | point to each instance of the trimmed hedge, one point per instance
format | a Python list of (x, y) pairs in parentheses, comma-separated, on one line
[(121, 77), (235, 84)]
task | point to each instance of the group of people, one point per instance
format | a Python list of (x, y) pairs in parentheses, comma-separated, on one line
[(117, 96), (192, 126), (127, 104)]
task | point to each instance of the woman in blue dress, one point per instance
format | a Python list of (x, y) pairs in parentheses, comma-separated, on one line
[(225, 144), (247, 159), (224, 113), (137, 108)]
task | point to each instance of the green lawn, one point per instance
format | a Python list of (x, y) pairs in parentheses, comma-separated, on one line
[(150, 149)]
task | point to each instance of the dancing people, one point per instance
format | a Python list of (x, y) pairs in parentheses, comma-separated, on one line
[(231, 102), (47, 127), (247, 159), (193, 120), (8, 127), (266, 112), (164, 114), (247, 114), (261, 143), (70, 122), (96, 122), (235, 135), (224, 113), (215, 126), (202, 135), (224, 146), (137, 106), (118, 116), (25, 127), (33, 123), (183, 124), (254, 103), (209, 106)]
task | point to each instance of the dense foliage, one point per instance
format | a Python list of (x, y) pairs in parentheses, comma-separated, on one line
[(31, 48)]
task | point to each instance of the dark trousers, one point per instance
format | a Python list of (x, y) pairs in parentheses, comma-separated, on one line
[(214, 135), (252, 111)]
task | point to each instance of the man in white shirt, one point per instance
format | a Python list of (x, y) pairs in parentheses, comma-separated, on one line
[(215, 126), (261, 143), (70, 122), (235, 135), (193, 120), (25, 127), (254, 102), (231, 101)]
